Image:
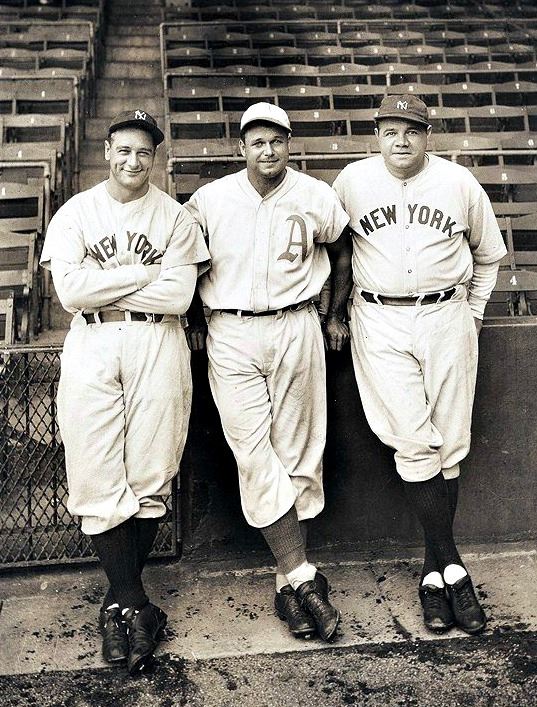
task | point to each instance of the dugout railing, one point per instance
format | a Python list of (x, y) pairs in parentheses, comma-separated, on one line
[(35, 527)]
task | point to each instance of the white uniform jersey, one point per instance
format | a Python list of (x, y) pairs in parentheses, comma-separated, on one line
[(265, 252), (417, 235), (97, 232)]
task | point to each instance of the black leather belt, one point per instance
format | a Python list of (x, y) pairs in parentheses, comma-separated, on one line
[(117, 315), (431, 298), (267, 312)]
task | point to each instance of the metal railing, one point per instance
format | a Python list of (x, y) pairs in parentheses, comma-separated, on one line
[(35, 525)]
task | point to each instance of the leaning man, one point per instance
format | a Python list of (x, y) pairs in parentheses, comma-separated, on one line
[(426, 251), (124, 258)]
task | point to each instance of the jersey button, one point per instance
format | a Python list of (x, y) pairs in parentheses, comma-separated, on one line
[(407, 226), (409, 271), (404, 184)]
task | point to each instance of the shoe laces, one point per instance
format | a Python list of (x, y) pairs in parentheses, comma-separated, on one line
[(465, 596), (435, 600)]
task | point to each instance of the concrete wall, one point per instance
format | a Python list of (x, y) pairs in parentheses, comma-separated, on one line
[(365, 503)]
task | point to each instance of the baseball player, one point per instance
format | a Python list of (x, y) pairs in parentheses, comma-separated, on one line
[(426, 251), (124, 258), (269, 229)]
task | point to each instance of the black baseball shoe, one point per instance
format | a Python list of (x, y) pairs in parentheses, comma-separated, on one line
[(437, 614), (144, 627), (114, 633), (325, 615), (300, 623), (466, 609), (321, 585)]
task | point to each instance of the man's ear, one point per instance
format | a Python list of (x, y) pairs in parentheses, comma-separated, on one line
[(242, 148), (107, 150)]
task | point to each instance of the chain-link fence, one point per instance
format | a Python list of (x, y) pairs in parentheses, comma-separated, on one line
[(35, 526)]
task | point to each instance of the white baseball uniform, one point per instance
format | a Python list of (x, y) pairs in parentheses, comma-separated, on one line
[(416, 365), (267, 373), (125, 387)]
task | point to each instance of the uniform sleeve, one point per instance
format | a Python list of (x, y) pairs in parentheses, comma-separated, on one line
[(484, 237), (79, 280), (335, 218), (195, 206), (185, 258), (481, 286)]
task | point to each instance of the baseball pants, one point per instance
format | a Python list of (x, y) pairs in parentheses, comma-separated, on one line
[(267, 375), (124, 402), (416, 370)]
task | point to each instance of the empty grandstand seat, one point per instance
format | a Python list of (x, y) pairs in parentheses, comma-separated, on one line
[(523, 148), (224, 56), (512, 190), (190, 98), (475, 145), (7, 317), (357, 38), (402, 38), (18, 275), (372, 54), (449, 120), (303, 97), (428, 93), (21, 206), (188, 56), (516, 93), (292, 75), (341, 74), (498, 119), (198, 124), (359, 95), (235, 98), (273, 39), (274, 56), (319, 122), (16, 58), (466, 94), (328, 54)]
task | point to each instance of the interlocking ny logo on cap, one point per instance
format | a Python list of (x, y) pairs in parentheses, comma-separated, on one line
[(140, 115), (403, 105)]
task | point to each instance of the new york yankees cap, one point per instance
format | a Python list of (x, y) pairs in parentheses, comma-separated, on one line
[(404, 106), (267, 112), (137, 119)]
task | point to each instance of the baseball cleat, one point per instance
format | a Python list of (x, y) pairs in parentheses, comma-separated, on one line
[(437, 614), (144, 627), (300, 623), (114, 632), (469, 616)]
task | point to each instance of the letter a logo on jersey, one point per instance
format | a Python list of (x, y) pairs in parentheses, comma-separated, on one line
[(403, 105), (139, 115), (302, 243)]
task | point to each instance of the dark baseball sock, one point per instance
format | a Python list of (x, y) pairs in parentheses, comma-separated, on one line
[(146, 532), (429, 499), (429, 561), (285, 541), (118, 553)]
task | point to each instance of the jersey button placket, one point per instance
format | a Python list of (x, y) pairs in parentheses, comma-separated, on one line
[(260, 294), (409, 247)]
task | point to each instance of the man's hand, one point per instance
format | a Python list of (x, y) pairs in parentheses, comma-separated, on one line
[(196, 336), (336, 333), (478, 325)]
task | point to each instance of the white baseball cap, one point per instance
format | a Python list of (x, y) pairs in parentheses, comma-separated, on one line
[(267, 112)]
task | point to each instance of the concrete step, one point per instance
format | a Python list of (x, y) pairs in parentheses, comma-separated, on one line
[(137, 89), (128, 70), (97, 128), (132, 41), (112, 106), (133, 54), (132, 29)]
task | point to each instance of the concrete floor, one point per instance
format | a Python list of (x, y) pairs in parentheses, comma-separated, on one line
[(48, 619)]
